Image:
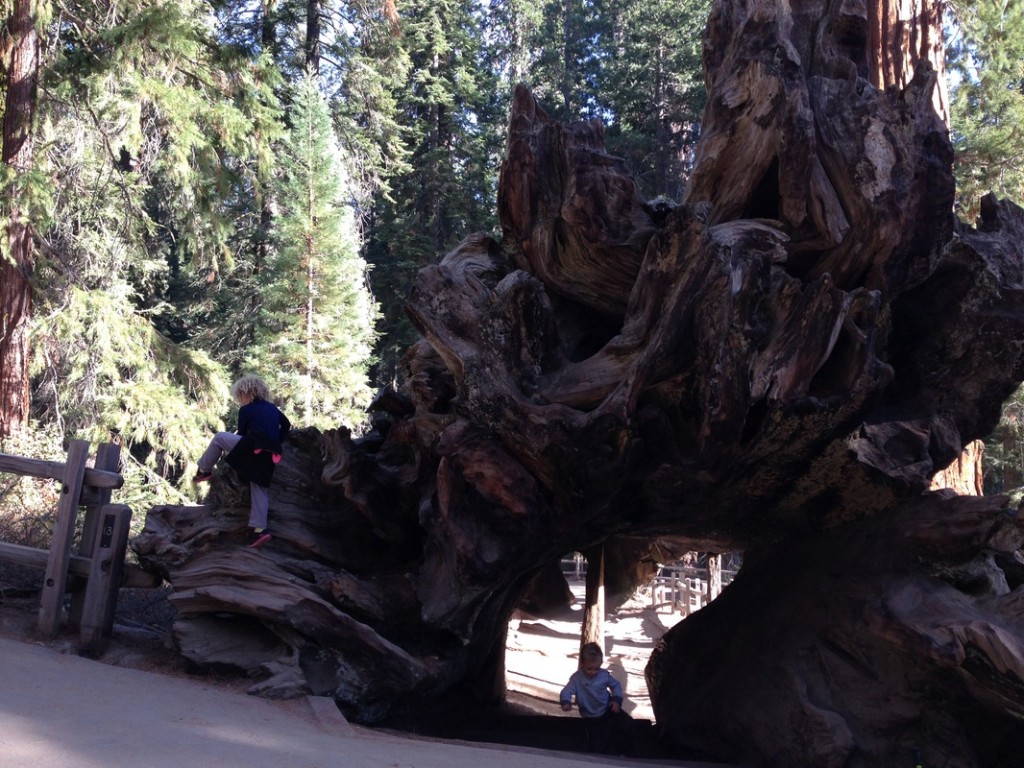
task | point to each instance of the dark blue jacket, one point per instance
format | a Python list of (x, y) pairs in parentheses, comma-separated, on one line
[(264, 424), (263, 428)]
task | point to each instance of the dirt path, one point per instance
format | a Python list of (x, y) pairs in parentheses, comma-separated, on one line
[(63, 711), (540, 657)]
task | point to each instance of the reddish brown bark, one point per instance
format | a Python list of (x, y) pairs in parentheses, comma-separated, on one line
[(902, 33), (15, 312), (22, 71), (965, 475)]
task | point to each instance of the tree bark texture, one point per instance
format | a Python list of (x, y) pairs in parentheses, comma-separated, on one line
[(858, 647), (901, 33), (965, 475), (20, 48), (779, 364)]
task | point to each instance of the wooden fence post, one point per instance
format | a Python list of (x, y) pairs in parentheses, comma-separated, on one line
[(105, 572), (592, 629), (714, 576), (108, 458), (56, 579)]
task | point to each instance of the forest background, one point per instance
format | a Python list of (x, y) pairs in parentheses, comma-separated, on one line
[(192, 189)]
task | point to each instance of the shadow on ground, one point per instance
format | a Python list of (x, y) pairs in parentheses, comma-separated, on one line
[(516, 725)]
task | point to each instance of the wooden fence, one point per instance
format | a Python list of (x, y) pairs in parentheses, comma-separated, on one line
[(682, 587), (686, 588), (104, 539)]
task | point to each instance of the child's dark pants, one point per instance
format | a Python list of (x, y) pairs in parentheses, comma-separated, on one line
[(609, 734)]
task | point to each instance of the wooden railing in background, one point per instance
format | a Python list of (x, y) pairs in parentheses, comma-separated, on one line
[(685, 589)]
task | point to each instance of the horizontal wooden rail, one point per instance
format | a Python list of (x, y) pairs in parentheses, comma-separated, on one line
[(30, 557), (54, 470)]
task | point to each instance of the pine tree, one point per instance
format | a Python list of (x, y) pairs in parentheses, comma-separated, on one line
[(564, 74), (19, 64), (360, 65), (985, 60), (368, 64), (510, 34), (634, 65), (1003, 458), (316, 329), (652, 88), (151, 135), (450, 116)]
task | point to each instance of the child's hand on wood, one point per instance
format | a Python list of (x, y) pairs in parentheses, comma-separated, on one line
[(566, 706)]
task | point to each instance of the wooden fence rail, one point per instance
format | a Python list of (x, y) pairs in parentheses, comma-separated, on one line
[(687, 589), (104, 539)]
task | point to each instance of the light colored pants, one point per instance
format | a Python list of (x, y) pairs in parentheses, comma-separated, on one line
[(259, 504)]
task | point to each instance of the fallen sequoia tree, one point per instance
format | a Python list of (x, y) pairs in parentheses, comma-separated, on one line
[(778, 364)]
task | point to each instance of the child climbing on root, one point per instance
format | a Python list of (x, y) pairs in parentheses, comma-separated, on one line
[(599, 699), (253, 452)]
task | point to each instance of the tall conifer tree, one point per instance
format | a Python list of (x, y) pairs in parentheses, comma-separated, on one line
[(19, 65), (651, 87), (150, 133), (449, 110), (565, 71), (986, 62), (316, 330)]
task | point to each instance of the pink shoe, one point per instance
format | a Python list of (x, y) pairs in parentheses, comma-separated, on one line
[(258, 539)]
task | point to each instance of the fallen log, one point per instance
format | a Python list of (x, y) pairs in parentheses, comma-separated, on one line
[(780, 364)]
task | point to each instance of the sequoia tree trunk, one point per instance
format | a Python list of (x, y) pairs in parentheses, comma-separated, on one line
[(20, 56), (780, 365)]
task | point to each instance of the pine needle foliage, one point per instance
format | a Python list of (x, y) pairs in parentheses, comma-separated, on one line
[(651, 86), (153, 138), (1003, 459), (102, 373), (177, 109), (567, 62), (452, 118), (985, 61), (316, 331)]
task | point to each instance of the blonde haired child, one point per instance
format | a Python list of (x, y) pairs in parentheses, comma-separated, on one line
[(253, 451)]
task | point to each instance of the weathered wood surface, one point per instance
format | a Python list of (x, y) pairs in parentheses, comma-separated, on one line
[(102, 543), (31, 557), (95, 617), (55, 579), (899, 633), (54, 470), (779, 364), (108, 459)]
